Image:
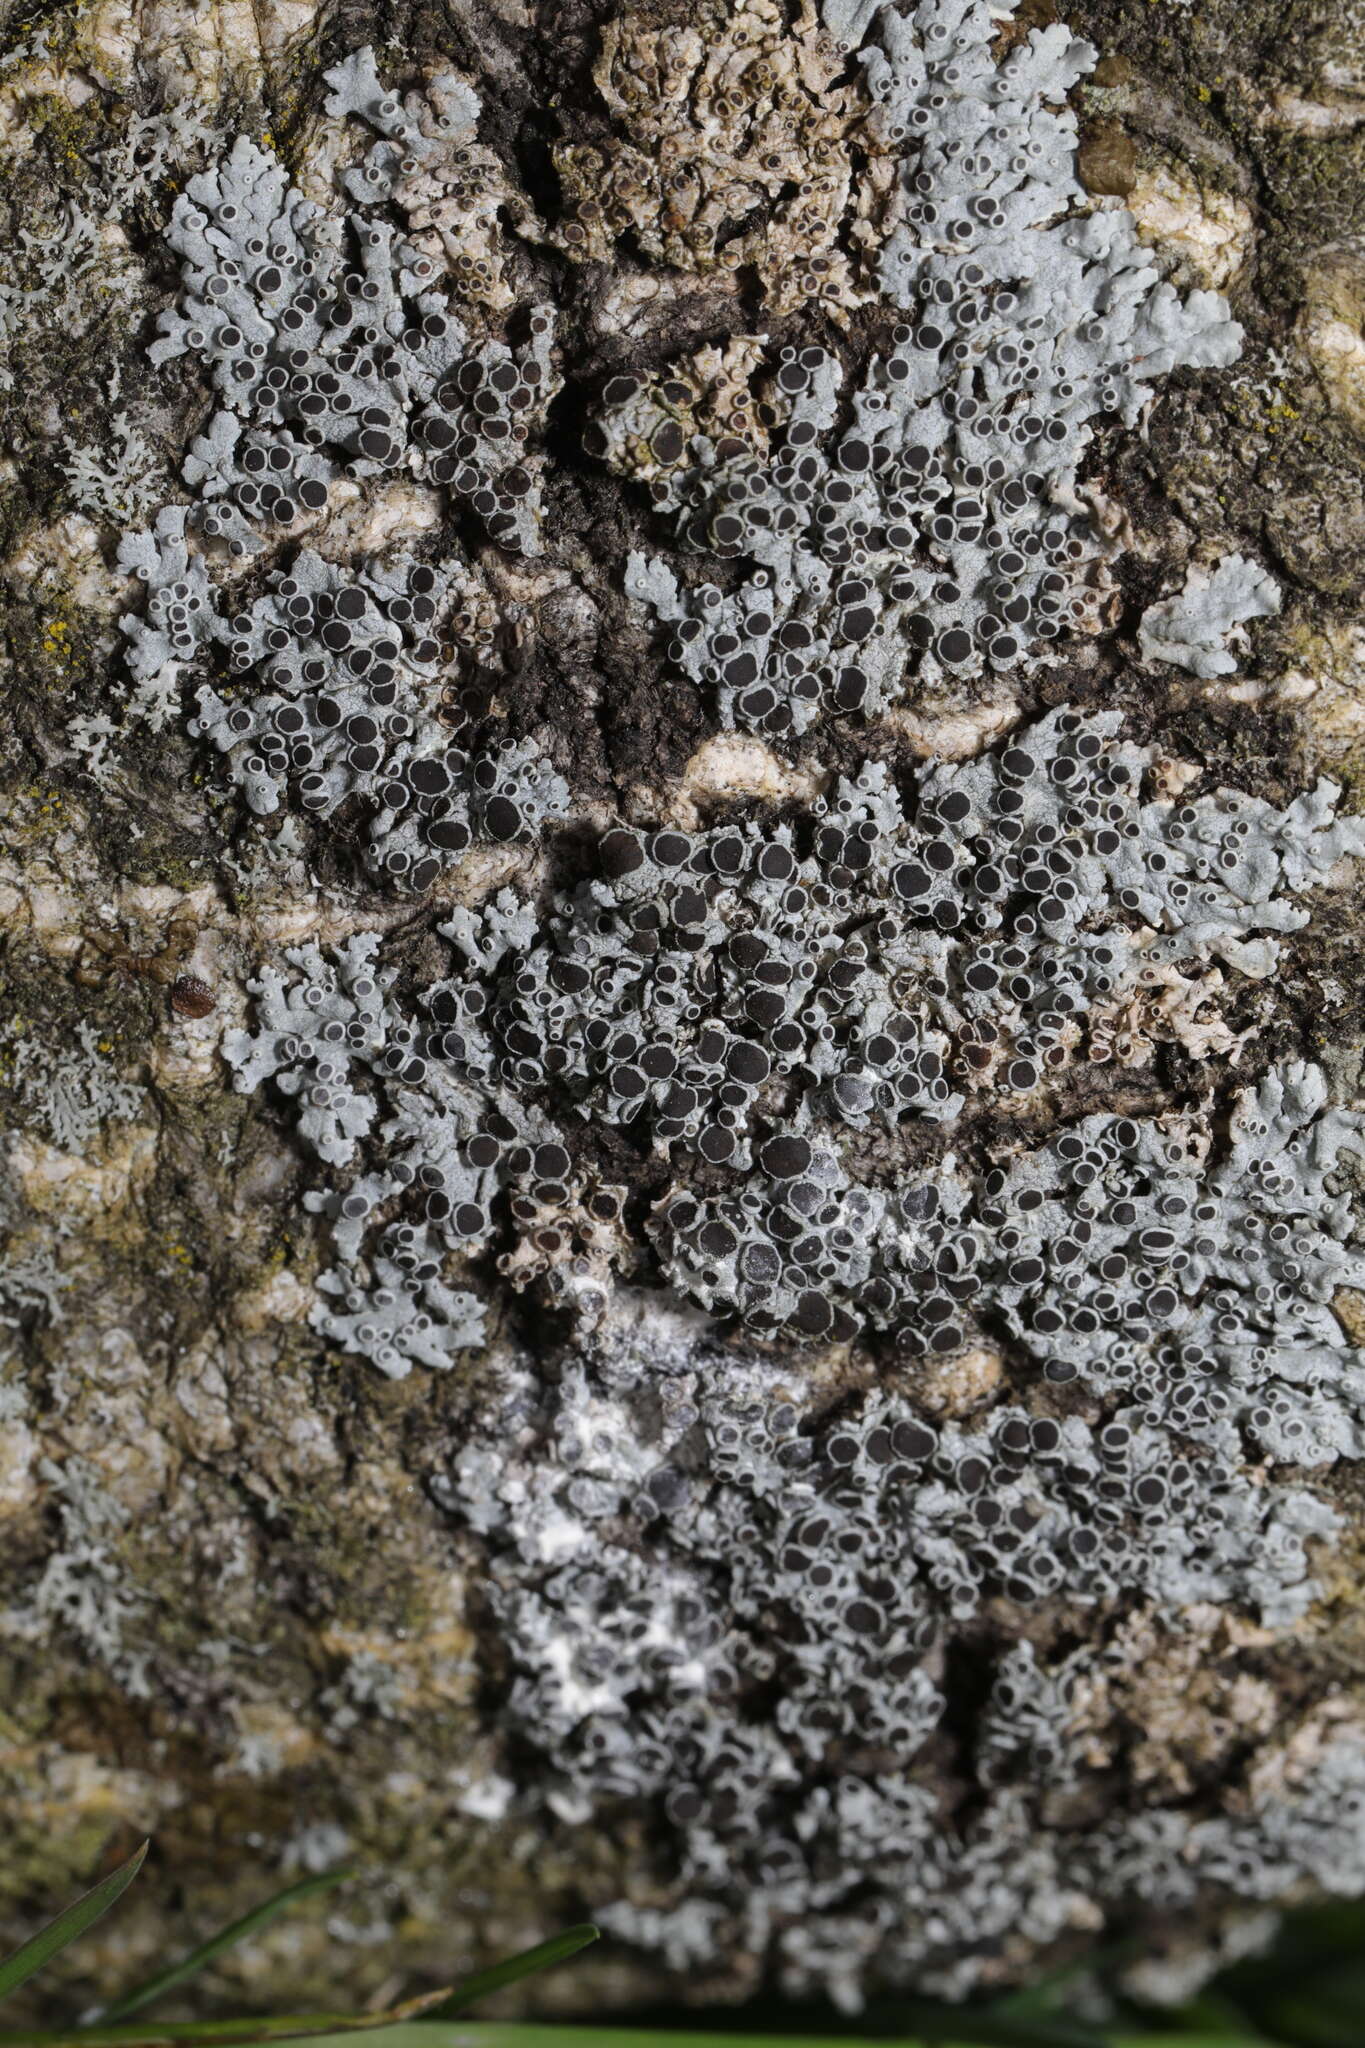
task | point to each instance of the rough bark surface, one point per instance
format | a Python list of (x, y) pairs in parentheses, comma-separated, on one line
[(233, 1611)]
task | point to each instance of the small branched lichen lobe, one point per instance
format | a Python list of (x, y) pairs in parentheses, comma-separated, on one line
[(680, 1073)]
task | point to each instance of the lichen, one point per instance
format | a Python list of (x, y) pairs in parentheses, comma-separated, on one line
[(808, 1061), (736, 145), (336, 357), (1192, 629), (71, 1091), (749, 999), (738, 1611), (117, 484), (941, 531)]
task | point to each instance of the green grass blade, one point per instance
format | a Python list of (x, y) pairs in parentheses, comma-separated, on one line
[(52, 1939), (543, 1956), (394, 2030), (493, 2034), (227, 1937), (334, 2026), (465, 2034), (533, 2034), (1211, 2011), (992, 2026), (512, 2034)]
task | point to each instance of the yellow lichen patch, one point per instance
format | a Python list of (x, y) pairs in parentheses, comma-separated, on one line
[(1204, 233), (38, 814), (21, 100), (736, 142), (56, 638)]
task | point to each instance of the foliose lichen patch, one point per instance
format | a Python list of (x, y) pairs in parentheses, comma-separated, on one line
[(336, 360), (869, 1246), (744, 1000), (938, 530), (740, 1613)]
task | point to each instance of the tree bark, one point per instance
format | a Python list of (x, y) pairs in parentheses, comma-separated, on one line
[(234, 1613)]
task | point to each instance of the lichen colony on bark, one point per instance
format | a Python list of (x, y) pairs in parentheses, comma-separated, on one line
[(721, 1030)]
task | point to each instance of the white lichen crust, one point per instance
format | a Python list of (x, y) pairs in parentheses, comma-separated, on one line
[(1191, 629)]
